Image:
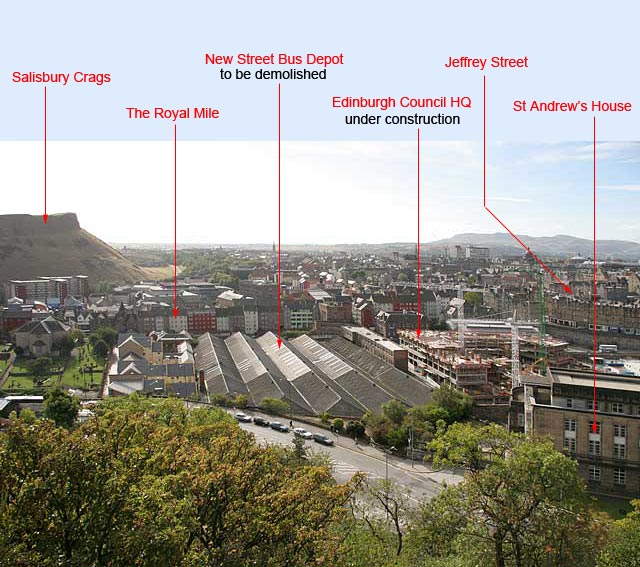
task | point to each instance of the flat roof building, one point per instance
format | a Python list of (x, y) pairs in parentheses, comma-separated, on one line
[(563, 408)]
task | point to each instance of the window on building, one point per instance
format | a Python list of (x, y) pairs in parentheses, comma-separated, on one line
[(619, 451), (597, 431), (590, 405), (617, 407), (594, 447), (570, 444), (569, 424), (619, 476), (620, 430), (594, 473), (569, 402)]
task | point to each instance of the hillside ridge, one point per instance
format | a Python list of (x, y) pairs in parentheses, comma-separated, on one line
[(29, 248)]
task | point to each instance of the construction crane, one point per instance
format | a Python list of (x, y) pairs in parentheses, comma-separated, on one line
[(542, 356)]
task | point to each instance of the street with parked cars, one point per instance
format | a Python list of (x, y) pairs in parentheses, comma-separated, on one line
[(350, 457)]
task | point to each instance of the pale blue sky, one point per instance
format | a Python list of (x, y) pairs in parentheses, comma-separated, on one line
[(332, 192), (154, 51)]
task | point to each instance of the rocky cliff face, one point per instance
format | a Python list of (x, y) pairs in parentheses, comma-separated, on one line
[(29, 248)]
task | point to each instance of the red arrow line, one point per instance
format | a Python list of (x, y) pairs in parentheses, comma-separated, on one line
[(419, 310), (595, 314), (175, 221), (45, 216), (279, 274), (484, 158)]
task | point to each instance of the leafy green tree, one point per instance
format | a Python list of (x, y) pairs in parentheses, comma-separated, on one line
[(28, 415), (61, 407), (40, 368), (299, 450), (432, 413), (521, 502), (106, 334), (355, 429), (274, 406), (337, 425), (221, 400), (394, 411), (77, 336), (240, 401), (456, 403), (378, 427), (64, 345), (398, 437), (101, 349), (623, 549), (149, 484)]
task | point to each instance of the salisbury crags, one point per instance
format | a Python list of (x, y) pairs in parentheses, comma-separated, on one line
[(29, 249)]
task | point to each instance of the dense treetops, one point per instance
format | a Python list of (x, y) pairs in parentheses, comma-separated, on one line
[(152, 483)]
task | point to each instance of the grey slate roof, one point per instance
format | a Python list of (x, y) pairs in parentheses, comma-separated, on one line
[(220, 373), (47, 326), (400, 384)]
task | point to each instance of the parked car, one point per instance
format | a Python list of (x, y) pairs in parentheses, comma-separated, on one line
[(279, 426), (260, 421), (243, 417), (322, 439), (300, 432)]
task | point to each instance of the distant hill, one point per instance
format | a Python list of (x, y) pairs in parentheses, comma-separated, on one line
[(560, 246), (29, 249)]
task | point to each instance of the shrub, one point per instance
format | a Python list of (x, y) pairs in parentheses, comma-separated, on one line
[(355, 429), (274, 406)]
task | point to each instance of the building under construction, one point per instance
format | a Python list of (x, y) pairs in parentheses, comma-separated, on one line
[(481, 364)]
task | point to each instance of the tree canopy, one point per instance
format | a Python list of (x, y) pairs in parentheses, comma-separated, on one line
[(521, 502), (40, 368), (148, 483), (61, 407)]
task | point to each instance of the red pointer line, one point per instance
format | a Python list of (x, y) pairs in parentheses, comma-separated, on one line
[(279, 339), (484, 157), (175, 221), (45, 217), (595, 315), (419, 311)]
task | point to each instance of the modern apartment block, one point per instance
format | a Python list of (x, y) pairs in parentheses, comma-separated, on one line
[(48, 289), (561, 405)]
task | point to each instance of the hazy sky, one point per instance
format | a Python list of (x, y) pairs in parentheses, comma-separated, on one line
[(332, 192)]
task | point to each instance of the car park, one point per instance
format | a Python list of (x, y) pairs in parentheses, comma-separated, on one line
[(261, 421), (322, 439), (300, 432), (279, 427), (243, 417)]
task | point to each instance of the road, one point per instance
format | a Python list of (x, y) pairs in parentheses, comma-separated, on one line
[(348, 458)]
